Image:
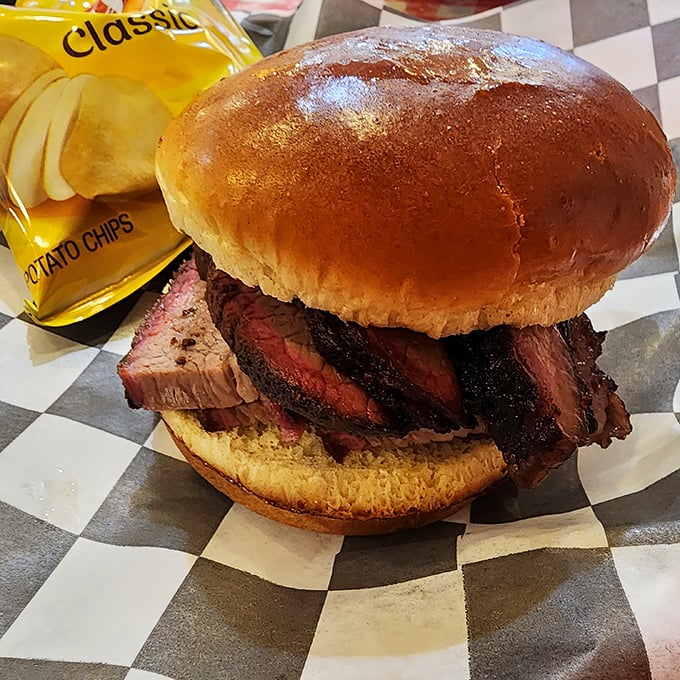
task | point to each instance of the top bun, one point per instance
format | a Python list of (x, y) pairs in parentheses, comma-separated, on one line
[(439, 178)]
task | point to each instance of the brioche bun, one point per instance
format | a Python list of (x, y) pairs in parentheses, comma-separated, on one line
[(371, 492), (438, 178)]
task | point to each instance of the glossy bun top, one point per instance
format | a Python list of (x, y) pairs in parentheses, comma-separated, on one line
[(438, 178)]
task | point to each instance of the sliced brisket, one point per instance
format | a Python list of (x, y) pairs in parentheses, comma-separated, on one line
[(536, 391), (541, 395), (608, 417), (339, 444), (243, 415), (409, 373), (274, 347), (178, 358), (256, 414)]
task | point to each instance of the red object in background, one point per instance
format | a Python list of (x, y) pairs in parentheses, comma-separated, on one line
[(443, 9), (262, 6), (423, 9)]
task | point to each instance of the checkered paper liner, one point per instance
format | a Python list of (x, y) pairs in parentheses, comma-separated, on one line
[(117, 561)]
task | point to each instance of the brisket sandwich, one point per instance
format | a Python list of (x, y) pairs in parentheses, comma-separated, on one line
[(397, 232)]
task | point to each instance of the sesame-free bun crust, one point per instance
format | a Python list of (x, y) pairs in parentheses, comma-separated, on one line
[(437, 178), (370, 492)]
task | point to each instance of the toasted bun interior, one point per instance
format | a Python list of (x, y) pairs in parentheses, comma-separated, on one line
[(370, 492), (438, 178)]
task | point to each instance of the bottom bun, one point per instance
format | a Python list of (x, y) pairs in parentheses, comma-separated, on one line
[(370, 492)]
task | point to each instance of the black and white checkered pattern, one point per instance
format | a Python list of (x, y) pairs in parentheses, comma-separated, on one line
[(118, 562)]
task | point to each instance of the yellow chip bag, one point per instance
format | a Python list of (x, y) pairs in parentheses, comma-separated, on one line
[(86, 91)]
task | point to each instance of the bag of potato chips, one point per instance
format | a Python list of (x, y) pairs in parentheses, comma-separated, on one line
[(86, 91)]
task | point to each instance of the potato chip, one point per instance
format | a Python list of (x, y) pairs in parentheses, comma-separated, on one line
[(111, 146), (13, 117), (64, 115), (24, 169), (20, 65)]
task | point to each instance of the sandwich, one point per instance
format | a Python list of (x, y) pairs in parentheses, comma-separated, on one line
[(397, 232)]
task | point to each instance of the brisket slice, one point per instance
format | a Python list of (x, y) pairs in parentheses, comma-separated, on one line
[(178, 359), (204, 262), (339, 444), (256, 414), (536, 391), (541, 395), (606, 412), (409, 373), (274, 347)]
